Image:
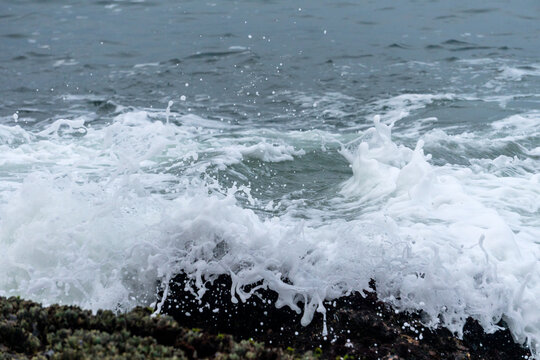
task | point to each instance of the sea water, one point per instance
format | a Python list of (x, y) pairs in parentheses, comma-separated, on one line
[(313, 145)]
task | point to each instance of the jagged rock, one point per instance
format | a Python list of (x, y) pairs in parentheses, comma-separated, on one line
[(358, 326)]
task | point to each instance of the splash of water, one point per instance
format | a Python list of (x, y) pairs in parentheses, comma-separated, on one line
[(433, 237)]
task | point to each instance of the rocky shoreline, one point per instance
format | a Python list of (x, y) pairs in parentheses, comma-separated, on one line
[(358, 327), (30, 331)]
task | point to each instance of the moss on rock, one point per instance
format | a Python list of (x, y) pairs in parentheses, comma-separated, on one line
[(28, 330), (359, 327)]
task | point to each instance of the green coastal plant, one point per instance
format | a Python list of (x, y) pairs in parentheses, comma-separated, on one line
[(30, 331)]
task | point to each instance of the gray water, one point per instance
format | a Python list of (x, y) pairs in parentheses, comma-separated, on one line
[(270, 147), (366, 50)]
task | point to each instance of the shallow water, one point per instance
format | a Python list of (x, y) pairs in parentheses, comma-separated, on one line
[(313, 146)]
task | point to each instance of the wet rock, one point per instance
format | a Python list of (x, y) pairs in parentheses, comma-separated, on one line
[(359, 326)]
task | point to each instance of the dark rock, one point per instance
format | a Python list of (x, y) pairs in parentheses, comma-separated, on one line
[(358, 325)]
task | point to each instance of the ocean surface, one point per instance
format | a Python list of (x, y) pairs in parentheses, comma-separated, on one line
[(313, 145)]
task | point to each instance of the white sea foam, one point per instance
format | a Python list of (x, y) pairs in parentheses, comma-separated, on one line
[(511, 73), (480, 62), (403, 105), (520, 130), (471, 234), (262, 151), (65, 62), (97, 217), (153, 64)]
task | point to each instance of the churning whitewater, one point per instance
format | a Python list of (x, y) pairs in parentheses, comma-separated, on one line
[(307, 148), (96, 215)]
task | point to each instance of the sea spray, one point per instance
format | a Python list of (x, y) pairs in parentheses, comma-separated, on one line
[(102, 235)]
